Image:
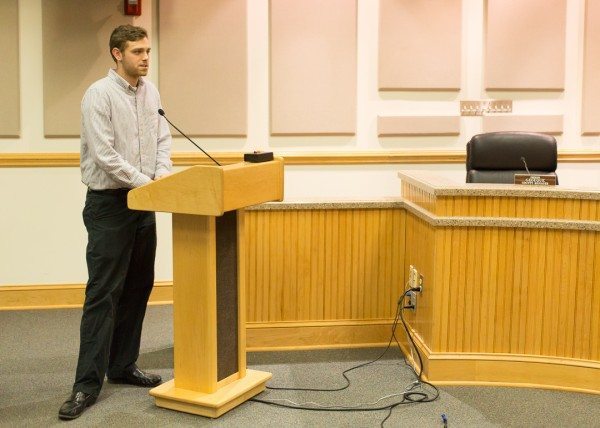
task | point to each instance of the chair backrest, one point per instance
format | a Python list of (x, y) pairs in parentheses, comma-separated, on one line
[(495, 157)]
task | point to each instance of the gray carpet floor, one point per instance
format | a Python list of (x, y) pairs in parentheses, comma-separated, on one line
[(38, 352)]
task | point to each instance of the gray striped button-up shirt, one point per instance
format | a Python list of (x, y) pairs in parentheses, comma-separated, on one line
[(124, 141)]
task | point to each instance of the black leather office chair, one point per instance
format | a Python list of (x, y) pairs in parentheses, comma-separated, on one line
[(496, 157)]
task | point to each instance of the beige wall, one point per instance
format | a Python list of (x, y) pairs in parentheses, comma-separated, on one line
[(42, 237)]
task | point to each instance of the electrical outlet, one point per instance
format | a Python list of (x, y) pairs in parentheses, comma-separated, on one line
[(413, 277), (412, 300)]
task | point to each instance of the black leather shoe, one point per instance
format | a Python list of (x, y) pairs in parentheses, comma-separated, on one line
[(138, 378), (75, 405)]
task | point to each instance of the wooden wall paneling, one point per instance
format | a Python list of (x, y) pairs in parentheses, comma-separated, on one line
[(550, 318), (419, 45), (75, 36), (344, 262), (203, 65), (590, 120), (418, 125), (583, 338), (530, 324), (313, 67), (594, 336), (420, 241), (578, 308), (517, 291), (10, 108), (303, 270), (441, 287), (552, 125), (525, 47)]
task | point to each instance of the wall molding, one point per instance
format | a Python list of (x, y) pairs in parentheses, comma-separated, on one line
[(22, 297), (330, 334), (499, 369), (46, 160)]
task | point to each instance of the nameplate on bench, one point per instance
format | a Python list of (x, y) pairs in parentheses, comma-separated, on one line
[(535, 180)]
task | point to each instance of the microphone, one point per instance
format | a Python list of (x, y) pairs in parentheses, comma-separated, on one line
[(525, 163), (162, 113)]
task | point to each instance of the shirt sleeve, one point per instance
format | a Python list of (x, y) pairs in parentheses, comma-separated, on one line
[(96, 124), (163, 149)]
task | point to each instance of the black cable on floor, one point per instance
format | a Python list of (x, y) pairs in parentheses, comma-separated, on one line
[(408, 397), (396, 318)]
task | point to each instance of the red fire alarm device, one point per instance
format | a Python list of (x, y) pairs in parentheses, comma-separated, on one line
[(133, 7)]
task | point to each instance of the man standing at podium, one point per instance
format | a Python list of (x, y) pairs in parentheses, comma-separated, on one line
[(124, 144)]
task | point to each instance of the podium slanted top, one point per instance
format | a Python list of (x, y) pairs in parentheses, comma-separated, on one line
[(211, 190)]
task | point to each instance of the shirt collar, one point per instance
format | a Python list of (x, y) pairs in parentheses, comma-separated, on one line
[(112, 74)]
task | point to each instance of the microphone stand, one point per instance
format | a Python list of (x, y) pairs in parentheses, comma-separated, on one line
[(162, 113)]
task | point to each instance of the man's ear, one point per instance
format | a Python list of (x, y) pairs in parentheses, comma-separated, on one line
[(117, 54)]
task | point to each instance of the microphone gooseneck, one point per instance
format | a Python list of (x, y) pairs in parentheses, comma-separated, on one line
[(525, 163), (162, 113)]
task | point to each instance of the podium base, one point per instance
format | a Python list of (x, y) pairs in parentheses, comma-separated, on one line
[(214, 404)]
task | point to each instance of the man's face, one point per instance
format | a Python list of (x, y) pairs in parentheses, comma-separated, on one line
[(134, 58)]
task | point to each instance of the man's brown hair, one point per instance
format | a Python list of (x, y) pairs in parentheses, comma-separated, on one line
[(123, 34)]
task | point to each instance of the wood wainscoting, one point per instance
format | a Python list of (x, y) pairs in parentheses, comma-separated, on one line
[(323, 277), (511, 291)]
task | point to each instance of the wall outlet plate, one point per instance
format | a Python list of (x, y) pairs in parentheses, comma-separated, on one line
[(412, 300)]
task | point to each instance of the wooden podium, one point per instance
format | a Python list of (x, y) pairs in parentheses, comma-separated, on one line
[(209, 312)]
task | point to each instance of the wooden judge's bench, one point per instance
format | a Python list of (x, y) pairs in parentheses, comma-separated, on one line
[(513, 289)]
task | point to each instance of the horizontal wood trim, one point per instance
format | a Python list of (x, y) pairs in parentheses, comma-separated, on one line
[(44, 160), (520, 371), (327, 335), (21, 297), (509, 370)]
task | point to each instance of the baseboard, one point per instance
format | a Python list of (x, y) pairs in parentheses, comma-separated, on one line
[(21, 297), (331, 334), (507, 370)]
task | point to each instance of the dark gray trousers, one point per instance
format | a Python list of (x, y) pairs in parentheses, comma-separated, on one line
[(120, 259)]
